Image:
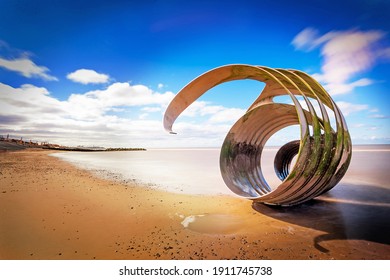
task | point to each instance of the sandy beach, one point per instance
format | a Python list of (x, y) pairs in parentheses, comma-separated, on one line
[(49, 209)]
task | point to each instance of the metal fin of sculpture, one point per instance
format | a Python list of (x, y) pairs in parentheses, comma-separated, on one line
[(322, 154)]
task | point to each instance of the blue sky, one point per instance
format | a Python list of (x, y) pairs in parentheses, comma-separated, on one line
[(103, 72)]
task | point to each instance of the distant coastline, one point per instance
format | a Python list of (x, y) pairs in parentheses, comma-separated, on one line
[(93, 149), (12, 144)]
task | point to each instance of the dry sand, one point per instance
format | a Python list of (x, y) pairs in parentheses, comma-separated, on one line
[(49, 209)]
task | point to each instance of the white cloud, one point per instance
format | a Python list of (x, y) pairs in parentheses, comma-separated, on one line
[(304, 39), (27, 68), (379, 116), (143, 116), (151, 109), (230, 115), (309, 38), (160, 86), (28, 100), (216, 113), (350, 108), (201, 108), (349, 53), (87, 76), (125, 94), (345, 55), (341, 88), (95, 103)]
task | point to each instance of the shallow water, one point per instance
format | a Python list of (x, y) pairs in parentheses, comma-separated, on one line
[(196, 171)]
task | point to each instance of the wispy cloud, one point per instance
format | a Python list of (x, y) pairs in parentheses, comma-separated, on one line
[(88, 76), (151, 109), (379, 116), (350, 108), (229, 115), (27, 68), (122, 94), (346, 54)]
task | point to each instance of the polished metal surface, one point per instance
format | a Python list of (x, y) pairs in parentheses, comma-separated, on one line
[(323, 152)]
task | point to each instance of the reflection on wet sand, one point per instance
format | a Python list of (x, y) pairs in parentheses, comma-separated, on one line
[(348, 212), (214, 223)]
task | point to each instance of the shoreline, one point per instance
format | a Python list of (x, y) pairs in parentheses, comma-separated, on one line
[(52, 210)]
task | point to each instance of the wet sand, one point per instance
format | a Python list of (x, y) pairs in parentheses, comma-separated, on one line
[(49, 209)]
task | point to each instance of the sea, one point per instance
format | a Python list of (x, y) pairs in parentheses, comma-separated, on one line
[(196, 170)]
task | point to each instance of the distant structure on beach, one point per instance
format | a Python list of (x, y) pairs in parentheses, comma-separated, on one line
[(14, 143), (322, 154), (19, 142)]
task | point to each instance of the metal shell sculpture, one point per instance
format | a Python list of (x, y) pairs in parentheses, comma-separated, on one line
[(322, 154)]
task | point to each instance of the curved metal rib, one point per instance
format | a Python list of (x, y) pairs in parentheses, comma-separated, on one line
[(323, 152)]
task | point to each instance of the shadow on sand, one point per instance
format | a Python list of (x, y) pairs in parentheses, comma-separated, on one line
[(345, 213)]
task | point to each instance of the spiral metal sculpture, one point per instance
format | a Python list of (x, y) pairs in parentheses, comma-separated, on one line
[(322, 154)]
